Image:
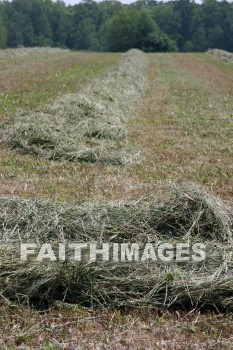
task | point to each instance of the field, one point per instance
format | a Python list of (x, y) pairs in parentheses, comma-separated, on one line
[(180, 127)]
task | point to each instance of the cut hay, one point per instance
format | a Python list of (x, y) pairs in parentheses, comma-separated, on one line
[(222, 55), (171, 213), (88, 126), (8, 54)]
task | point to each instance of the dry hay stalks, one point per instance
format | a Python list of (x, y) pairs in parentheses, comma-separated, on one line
[(88, 126), (170, 213), (8, 54), (222, 55)]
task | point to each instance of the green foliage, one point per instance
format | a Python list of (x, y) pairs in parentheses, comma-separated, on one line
[(110, 25), (122, 33), (3, 34), (158, 42), (132, 28)]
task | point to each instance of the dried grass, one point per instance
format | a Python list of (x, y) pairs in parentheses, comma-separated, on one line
[(27, 51), (222, 55), (88, 126), (170, 213)]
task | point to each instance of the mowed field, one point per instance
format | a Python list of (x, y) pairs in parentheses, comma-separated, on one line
[(183, 128)]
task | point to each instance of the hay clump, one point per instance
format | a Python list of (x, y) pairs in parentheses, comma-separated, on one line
[(88, 126), (170, 213), (8, 54), (222, 55)]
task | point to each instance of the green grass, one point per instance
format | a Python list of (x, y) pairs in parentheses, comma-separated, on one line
[(190, 115), (30, 82), (85, 127)]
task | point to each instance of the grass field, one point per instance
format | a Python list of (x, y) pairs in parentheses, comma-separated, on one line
[(183, 126), (29, 81)]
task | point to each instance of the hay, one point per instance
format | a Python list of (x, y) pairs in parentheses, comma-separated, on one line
[(170, 213), (88, 126), (8, 54), (222, 55)]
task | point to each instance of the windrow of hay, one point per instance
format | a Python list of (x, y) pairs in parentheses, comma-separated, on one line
[(222, 55), (27, 51), (170, 213), (88, 126)]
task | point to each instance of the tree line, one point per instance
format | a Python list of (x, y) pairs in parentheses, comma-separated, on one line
[(179, 25)]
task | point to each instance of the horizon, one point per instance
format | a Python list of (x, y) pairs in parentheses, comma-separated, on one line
[(75, 2)]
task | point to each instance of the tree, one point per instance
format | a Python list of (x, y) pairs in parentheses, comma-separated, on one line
[(41, 18), (131, 28), (61, 19), (184, 9), (213, 25), (84, 26), (3, 34), (168, 20), (122, 30), (158, 42), (111, 25), (198, 38)]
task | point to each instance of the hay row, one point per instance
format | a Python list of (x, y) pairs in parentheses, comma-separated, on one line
[(171, 213), (8, 54), (222, 55), (88, 126)]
